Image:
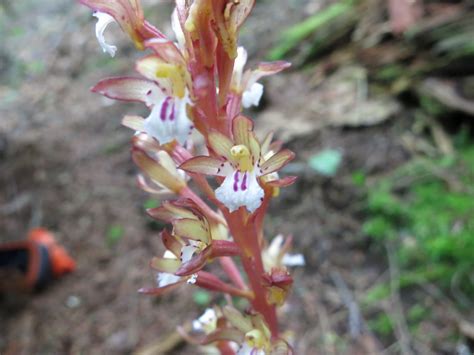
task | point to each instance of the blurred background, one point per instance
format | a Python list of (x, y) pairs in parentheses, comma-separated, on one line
[(378, 106)]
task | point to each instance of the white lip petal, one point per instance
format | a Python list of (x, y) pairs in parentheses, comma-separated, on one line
[(103, 20), (164, 279), (240, 189), (293, 260), (207, 322), (252, 96), (187, 252), (168, 120), (246, 349)]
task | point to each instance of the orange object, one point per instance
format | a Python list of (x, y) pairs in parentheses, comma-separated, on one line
[(61, 262), (39, 259)]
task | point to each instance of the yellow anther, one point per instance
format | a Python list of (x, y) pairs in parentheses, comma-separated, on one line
[(242, 154), (255, 339), (239, 151)]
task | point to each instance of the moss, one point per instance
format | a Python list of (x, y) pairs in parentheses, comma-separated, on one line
[(431, 223)]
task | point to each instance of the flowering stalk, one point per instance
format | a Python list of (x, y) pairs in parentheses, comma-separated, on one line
[(196, 82)]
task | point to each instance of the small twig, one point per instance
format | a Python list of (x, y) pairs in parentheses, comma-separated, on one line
[(401, 328), (356, 326)]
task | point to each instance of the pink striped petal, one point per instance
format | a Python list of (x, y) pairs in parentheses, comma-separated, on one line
[(195, 264), (171, 243), (242, 128), (205, 165), (156, 171), (266, 143), (283, 182), (265, 69), (169, 211), (221, 145), (166, 50), (277, 161), (191, 229), (158, 291), (129, 89), (241, 11)]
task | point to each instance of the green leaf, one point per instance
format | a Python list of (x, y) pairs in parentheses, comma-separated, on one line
[(326, 162), (114, 234), (202, 298), (151, 203), (358, 178), (294, 35)]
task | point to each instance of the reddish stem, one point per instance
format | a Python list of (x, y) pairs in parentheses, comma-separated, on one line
[(246, 236)]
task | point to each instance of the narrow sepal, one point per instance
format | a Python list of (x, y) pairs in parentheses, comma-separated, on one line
[(127, 89), (220, 144), (165, 49), (171, 243), (192, 229), (165, 265), (242, 128), (156, 171), (168, 212), (241, 11), (283, 182), (204, 165), (266, 69), (277, 161), (195, 264), (237, 319), (158, 291)]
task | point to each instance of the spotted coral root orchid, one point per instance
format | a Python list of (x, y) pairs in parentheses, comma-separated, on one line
[(197, 82), (240, 161)]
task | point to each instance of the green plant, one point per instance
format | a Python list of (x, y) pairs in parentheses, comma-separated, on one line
[(426, 207)]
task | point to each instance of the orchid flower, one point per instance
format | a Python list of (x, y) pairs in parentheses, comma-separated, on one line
[(190, 245), (160, 168), (207, 322), (245, 83), (167, 98), (276, 256), (254, 332), (241, 164), (128, 14)]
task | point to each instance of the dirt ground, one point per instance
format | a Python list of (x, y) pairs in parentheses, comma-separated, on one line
[(65, 165)]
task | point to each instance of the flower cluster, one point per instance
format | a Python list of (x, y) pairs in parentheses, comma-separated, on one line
[(196, 84)]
